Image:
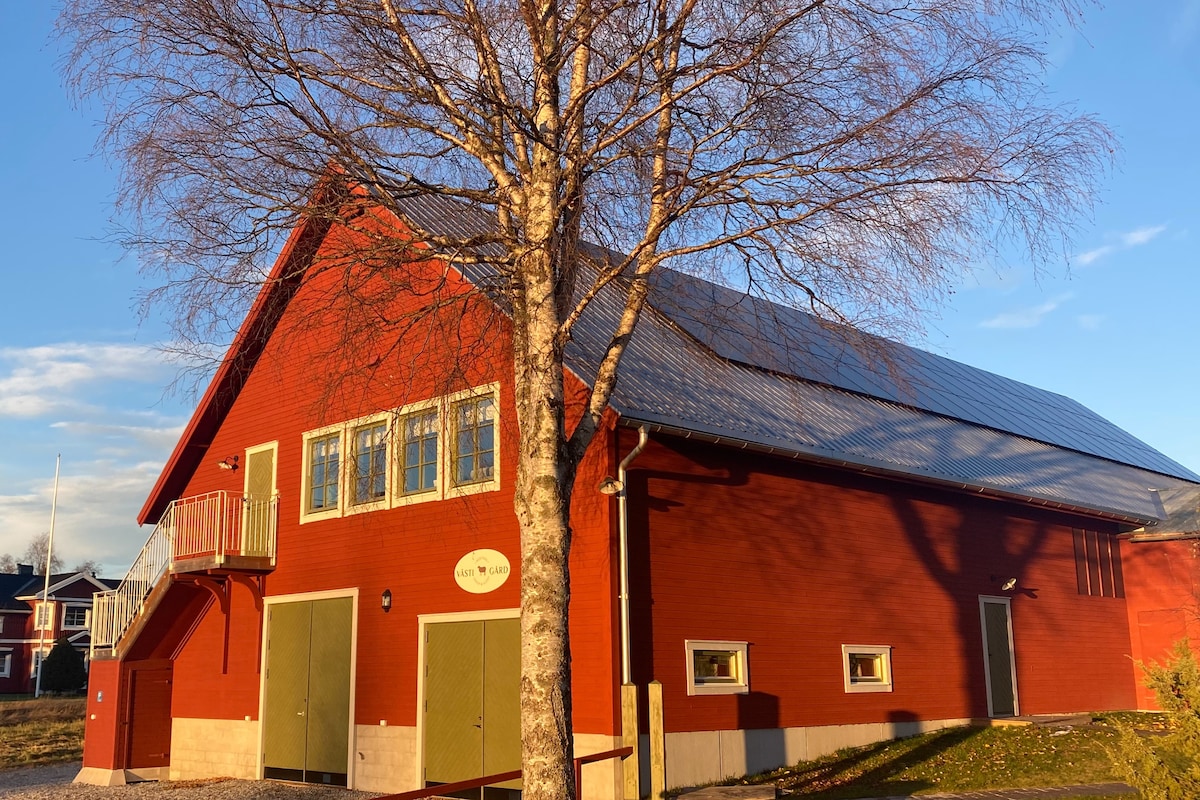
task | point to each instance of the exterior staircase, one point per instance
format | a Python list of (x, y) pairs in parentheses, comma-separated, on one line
[(211, 534)]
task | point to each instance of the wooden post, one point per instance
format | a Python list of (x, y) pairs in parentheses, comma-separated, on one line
[(658, 744), (629, 738)]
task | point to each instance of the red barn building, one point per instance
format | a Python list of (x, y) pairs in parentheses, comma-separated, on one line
[(824, 548)]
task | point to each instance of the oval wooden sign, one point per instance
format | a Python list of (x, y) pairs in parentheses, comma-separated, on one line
[(481, 571)]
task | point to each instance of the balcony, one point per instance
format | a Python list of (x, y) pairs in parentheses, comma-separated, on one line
[(213, 535)]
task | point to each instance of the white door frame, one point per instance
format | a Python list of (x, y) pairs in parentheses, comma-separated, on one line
[(434, 619), (262, 678), (1012, 653)]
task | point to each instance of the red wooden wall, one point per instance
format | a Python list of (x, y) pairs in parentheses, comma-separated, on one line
[(410, 550), (1162, 582), (799, 559)]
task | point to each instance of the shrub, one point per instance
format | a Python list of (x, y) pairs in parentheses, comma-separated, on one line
[(63, 669), (1167, 767)]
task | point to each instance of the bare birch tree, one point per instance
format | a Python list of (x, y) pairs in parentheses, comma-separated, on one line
[(851, 156)]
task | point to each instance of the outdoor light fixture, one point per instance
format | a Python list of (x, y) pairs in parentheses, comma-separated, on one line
[(229, 462), (385, 601), (1006, 585), (610, 486)]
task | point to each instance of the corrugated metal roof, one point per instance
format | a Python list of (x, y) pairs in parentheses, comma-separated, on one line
[(711, 360)]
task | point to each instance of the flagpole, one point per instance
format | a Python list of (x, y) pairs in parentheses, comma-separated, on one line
[(46, 620)]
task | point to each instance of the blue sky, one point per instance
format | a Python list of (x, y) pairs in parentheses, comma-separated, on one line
[(1110, 326)]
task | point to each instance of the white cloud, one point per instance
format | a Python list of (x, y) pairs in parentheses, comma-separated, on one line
[(1025, 317), (95, 517), (1090, 322), (1123, 241), (48, 379), (1141, 235), (1085, 258)]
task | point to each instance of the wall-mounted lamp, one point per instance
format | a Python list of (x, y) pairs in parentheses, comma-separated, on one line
[(385, 601), (609, 486), (1008, 585), (229, 462)]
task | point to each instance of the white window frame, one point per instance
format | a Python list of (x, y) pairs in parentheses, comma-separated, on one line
[(308, 514), (6, 663), (349, 475), (444, 487), (740, 652), (439, 481), (883, 653), (43, 620), (87, 617), (450, 441)]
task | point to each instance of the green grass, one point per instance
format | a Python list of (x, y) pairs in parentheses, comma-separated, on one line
[(960, 759), (45, 731)]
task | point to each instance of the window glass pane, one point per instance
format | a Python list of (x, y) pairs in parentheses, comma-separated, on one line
[(474, 455), (323, 473), (419, 452), (715, 666), (370, 463)]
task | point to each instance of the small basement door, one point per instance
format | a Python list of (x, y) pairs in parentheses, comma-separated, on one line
[(306, 711), (472, 711)]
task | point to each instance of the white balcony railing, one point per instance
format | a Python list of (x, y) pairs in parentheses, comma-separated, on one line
[(212, 527)]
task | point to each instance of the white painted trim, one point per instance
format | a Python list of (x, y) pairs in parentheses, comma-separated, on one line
[(449, 401), (306, 472), (434, 619), (884, 685), (742, 649), (262, 448), (330, 594), (348, 475), (1012, 653)]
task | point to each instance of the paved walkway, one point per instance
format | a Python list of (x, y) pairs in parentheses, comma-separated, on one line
[(1023, 794)]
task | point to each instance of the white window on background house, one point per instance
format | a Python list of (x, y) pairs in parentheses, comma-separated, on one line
[(75, 617), (45, 616), (5, 663), (717, 667), (323, 472), (867, 668)]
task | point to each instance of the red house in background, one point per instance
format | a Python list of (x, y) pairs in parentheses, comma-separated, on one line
[(823, 548), (22, 632)]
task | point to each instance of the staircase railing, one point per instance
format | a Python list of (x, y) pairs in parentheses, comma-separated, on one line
[(209, 525)]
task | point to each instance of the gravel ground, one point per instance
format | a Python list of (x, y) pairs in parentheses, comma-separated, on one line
[(54, 782)]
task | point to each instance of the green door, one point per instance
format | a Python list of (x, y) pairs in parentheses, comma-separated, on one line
[(472, 716), (306, 715), (997, 638)]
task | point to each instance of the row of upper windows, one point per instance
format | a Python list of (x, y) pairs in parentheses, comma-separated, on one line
[(443, 447)]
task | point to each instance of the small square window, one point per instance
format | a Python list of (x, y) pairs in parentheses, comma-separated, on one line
[(370, 463), (717, 667), (323, 469), (867, 668)]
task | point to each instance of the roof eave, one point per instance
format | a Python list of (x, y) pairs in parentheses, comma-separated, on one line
[(882, 469)]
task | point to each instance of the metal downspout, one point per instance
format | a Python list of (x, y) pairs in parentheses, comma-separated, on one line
[(623, 546)]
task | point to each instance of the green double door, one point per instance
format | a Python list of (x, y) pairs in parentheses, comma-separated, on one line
[(471, 706), (306, 713)]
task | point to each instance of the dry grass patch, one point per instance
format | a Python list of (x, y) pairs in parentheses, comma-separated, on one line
[(45, 731)]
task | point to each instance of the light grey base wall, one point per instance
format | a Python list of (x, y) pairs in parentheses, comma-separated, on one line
[(213, 748), (698, 757)]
